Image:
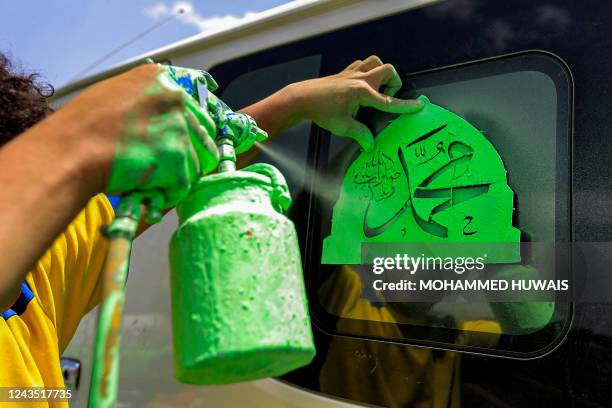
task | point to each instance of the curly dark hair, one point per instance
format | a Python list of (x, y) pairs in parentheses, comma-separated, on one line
[(23, 100)]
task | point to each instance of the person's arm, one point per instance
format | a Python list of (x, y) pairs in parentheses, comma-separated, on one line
[(47, 177), (124, 134), (332, 103)]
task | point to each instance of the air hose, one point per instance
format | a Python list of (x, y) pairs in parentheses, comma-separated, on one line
[(120, 233)]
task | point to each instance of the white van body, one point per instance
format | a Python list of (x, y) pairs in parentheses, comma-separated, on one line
[(147, 337)]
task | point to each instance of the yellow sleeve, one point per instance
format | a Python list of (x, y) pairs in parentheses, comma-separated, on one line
[(67, 280)]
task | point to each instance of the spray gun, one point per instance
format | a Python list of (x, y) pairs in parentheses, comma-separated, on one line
[(238, 298), (236, 132)]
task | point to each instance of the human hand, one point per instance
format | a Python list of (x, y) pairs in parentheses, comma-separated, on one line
[(148, 134), (332, 102)]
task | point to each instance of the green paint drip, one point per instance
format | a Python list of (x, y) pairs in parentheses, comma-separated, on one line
[(238, 299), (432, 177)]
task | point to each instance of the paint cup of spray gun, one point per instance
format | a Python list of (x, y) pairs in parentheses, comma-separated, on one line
[(238, 298)]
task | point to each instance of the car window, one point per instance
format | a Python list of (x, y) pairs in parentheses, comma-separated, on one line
[(510, 201)]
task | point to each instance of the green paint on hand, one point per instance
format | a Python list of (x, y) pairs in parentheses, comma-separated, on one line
[(432, 177), (166, 142)]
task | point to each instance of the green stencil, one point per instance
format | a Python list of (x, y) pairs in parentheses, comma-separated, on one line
[(432, 177)]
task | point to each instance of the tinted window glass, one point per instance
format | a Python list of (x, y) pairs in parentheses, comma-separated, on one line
[(521, 106)]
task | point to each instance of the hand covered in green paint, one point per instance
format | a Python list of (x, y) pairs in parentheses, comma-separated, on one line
[(332, 102), (160, 137)]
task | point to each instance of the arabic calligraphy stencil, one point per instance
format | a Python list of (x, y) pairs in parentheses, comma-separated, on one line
[(377, 176), (433, 177)]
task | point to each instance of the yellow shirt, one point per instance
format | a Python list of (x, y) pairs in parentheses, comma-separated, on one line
[(63, 286)]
